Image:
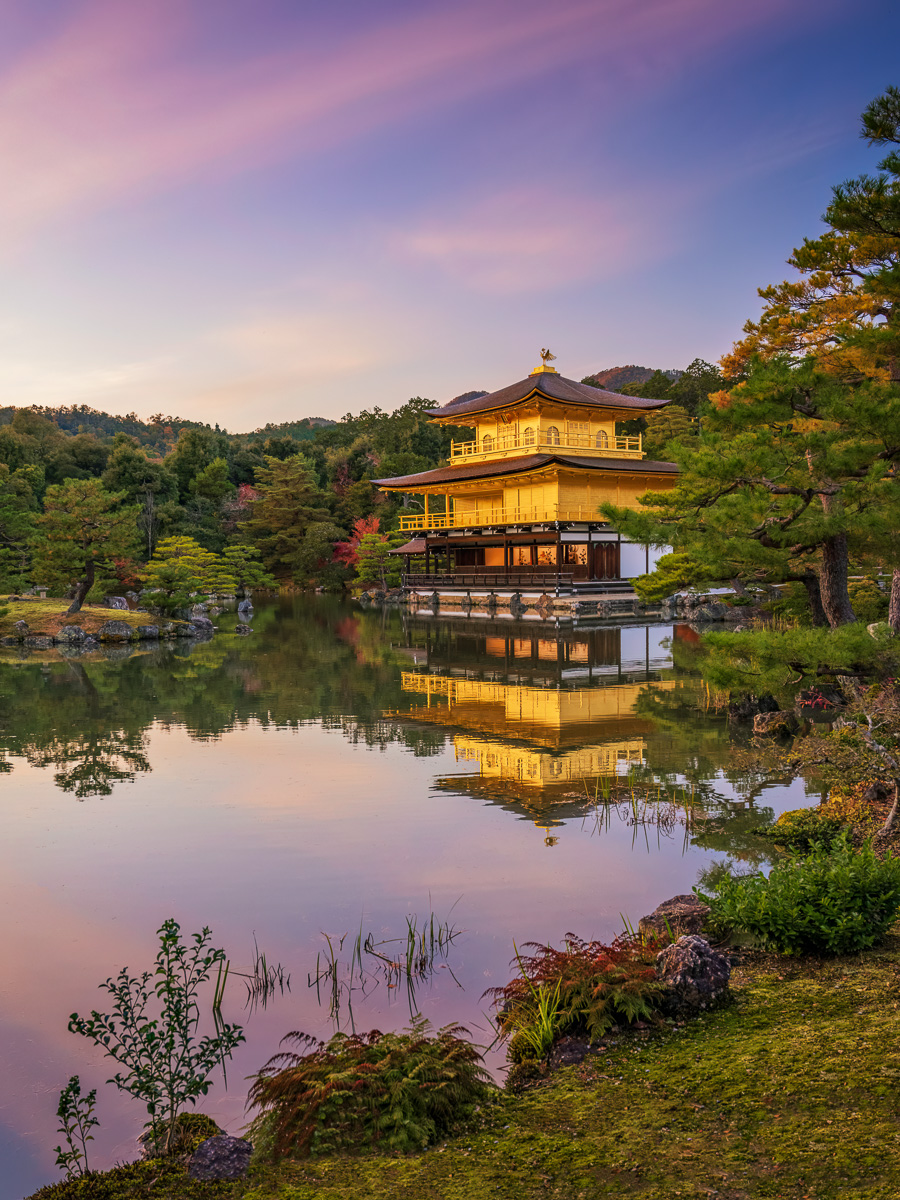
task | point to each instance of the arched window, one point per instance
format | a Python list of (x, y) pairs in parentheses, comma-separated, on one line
[(552, 436), (602, 440), (528, 438), (487, 442)]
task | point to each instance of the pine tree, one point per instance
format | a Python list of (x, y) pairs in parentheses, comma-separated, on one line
[(83, 527), (182, 571), (288, 522)]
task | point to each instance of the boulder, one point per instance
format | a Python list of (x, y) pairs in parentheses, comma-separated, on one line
[(198, 610), (745, 708), (9, 641), (243, 629), (70, 635), (714, 611), (148, 632), (21, 628), (682, 915), (116, 602), (221, 1157), (879, 630), (37, 641), (695, 975), (115, 631), (202, 625), (245, 605), (775, 724)]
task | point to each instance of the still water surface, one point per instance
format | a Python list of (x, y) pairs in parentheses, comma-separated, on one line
[(338, 771)]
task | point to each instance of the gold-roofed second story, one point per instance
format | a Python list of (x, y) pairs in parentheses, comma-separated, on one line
[(545, 413)]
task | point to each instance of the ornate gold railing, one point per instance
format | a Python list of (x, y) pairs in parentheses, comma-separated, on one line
[(538, 443), (498, 516)]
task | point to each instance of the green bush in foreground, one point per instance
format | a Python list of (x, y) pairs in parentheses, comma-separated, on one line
[(834, 900), (374, 1091)]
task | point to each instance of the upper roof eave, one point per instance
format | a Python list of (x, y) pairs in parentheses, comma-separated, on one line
[(549, 386), (516, 466)]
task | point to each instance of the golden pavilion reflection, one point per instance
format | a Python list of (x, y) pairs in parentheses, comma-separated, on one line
[(538, 749)]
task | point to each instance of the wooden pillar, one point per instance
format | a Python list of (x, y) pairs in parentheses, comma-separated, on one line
[(426, 510)]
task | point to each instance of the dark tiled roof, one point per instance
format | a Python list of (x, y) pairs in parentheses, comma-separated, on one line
[(552, 387), (514, 466)]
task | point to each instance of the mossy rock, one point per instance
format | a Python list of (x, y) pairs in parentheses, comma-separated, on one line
[(802, 828), (156, 1178), (190, 1130)]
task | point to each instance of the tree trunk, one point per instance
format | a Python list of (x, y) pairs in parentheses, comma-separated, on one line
[(894, 610), (893, 817), (833, 581), (814, 596), (82, 588)]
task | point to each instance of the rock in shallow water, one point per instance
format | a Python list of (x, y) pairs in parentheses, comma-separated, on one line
[(695, 975), (681, 915), (114, 631), (221, 1157)]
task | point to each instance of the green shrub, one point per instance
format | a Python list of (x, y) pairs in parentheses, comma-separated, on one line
[(869, 602), (375, 1091), (832, 901), (802, 828)]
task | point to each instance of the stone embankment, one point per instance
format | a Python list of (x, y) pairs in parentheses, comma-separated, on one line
[(38, 624), (618, 603)]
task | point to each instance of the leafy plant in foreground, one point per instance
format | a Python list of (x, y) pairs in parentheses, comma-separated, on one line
[(165, 1064), (585, 988), (833, 900), (76, 1114), (374, 1091)]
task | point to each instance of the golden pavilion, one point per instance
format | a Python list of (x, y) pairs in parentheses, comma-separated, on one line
[(518, 504)]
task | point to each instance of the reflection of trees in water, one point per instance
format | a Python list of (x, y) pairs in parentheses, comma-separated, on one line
[(92, 763), (307, 661)]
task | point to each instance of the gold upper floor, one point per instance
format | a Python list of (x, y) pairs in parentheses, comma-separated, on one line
[(539, 429)]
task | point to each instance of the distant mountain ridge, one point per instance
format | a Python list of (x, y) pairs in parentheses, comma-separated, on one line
[(158, 432), (613, 379)]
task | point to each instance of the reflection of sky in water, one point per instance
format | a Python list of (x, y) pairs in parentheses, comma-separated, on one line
[(291, 832)]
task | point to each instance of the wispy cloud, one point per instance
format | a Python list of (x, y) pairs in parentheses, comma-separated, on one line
[(541, 238), (108, 107)]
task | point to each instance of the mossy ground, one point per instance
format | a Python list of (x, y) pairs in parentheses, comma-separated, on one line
[(792, 1090), (48, 617)]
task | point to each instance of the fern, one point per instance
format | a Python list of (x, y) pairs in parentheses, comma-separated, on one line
[(374, 1091)]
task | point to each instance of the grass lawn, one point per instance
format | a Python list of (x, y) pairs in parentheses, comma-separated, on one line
[(792, 1090), (47, 617)]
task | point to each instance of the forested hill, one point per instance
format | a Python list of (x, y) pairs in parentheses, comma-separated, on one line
[(159, 433), (614, 379), (177, 479)]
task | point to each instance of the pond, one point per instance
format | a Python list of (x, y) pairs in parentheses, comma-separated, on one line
[(338, 772)]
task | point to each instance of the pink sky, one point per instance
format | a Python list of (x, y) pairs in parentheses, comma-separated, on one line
[(245, 213)]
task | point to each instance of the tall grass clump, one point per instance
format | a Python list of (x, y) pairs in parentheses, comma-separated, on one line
[(583, 989), (834, 900), (385, 1092)]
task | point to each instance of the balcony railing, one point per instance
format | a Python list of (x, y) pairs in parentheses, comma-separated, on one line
[(538, 442), (498, 516)]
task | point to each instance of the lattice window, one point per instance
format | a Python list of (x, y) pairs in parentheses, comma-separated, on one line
[(602, 440), (552, 436)]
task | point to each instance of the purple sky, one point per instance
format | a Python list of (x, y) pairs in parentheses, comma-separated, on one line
[(255, 210)]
